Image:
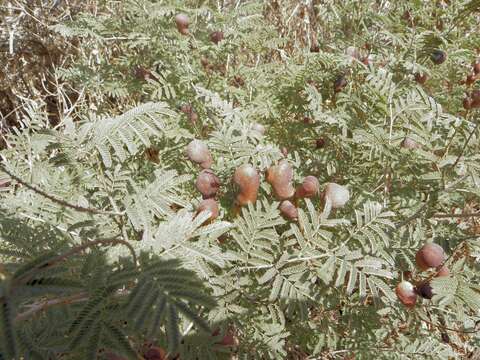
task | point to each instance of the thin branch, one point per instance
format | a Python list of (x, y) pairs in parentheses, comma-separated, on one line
[(53, 198), (35, 308)]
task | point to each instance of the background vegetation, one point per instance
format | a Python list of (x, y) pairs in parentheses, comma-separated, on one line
[(102, 253)]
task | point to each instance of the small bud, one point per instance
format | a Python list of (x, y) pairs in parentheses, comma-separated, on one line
[(409, 143), (438, 57)]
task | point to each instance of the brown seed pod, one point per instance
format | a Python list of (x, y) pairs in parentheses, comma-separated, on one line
[(406, 293), (182, 22), (425, 290), (340, 83), (229, 339), (443, 271), (216, 36), (288, 210), (210, 205), (409, 143), (467, 103), (438, 57), (320, 143), (315, 48), (207, 183), (471, 78), (151, 153), (197, 151), (155, 353), (476, 68), (421, 78), (475, 98), (338, 195), (248, 180), (280, 177), (309, 188), (430, 255)]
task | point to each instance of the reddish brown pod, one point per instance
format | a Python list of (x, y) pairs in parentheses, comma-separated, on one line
[(430, 255), (309, 188), (471, 78), (320, 143), (338, 195), (280, 177), (216, 36), (476, 67), (406, 293), (475, 98), (207, 183), (248, 180), (425, 290), (409, 143), (467, 103), (421, 78), (438, 57), (197, 151), (209, 205), (155, 353), (288, 210), (229, 339), (182, 21)]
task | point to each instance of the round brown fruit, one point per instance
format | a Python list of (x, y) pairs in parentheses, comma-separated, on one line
[(421, 78), (197, 151), (229, 339), (248, 180), (471, 78), (207, 183), (430, 255), (320, 143), (438, 57), (406, 293), (182, 22), (288, 210), (309, 188), (476, 68), (337, 194), (280, 177), (209, 205), (467, 103), (475, 98), (155, 353), (425, 290), (216, 36)]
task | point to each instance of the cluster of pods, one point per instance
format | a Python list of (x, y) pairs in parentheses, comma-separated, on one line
[(429, 256), (247, 178)]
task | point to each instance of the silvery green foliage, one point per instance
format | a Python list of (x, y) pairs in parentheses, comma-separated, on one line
[(114, 170)]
